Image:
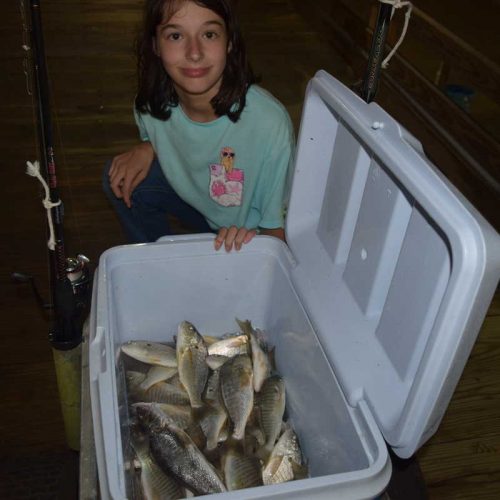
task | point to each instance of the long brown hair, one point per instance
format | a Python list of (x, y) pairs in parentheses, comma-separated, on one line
[(156, 93)]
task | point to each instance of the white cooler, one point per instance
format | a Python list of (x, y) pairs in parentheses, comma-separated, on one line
[(373, 307)]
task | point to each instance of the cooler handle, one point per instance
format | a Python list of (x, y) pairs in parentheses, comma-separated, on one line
[(107, 441), (98, 352)]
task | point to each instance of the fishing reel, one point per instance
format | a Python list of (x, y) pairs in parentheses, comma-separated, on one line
[(78, 274)]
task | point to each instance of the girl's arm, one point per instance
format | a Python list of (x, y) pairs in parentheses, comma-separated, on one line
[(277, 233)]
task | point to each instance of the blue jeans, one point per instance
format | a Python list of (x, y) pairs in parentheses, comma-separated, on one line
[(153, 200)]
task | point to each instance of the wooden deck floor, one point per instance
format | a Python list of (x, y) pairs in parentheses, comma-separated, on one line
[(92, 69)]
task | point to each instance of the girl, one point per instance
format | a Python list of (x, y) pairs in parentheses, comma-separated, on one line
[(215, 148)]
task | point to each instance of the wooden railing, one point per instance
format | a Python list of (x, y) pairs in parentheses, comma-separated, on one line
[(413, 92)]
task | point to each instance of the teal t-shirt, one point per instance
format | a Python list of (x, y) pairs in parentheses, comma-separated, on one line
[(232, 173)]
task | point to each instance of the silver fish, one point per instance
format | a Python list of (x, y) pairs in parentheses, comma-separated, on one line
[(175, 452), (157, 374), (162, 392), (134, 379), (175, 380), (240, 471), (212, 423), (155, 483), (260, 359), (212, 390), (191, 356), (288, 445), (230, 346), (214, 416), (153, 353), (285, 461), (237, 391), (271, 405), (215, 361), (181, 415)]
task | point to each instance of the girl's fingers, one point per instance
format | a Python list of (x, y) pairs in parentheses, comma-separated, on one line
[(249, 236), (230, 237), (115, 166), (241, 237), (130, 169), (219, 240), (233, 236), (116, 184), (116, 178), (127, 189)]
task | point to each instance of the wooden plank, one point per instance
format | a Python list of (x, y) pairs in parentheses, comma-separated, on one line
[(465, 469)]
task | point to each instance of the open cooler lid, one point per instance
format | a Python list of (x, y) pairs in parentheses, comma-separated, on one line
[(395, 268)]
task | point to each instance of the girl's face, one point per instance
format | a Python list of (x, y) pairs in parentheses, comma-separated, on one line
[(193, 46)]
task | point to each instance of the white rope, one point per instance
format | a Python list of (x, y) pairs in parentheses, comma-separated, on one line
[(398, 4), (33, 169)]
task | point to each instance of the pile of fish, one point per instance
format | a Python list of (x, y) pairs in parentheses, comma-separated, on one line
[(207, 414)]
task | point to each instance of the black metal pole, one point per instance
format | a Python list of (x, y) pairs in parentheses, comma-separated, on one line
[(66, 322), (376, 56)]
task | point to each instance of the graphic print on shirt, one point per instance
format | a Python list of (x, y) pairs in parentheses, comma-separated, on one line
[(226, 181)]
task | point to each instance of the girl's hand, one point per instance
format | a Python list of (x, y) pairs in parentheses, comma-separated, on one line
[(130, 169), (237, 236), (233, 236)]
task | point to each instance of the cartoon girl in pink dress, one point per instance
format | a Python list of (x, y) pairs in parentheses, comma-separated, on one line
[(226, 181)]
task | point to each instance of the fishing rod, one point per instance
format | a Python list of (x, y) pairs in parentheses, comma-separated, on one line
[(376, 59), (69, 277)]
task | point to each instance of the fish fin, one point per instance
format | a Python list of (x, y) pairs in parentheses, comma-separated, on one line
[(299, 471), (245, 326)]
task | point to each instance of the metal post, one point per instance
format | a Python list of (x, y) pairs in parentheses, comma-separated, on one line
[(372, 75)]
